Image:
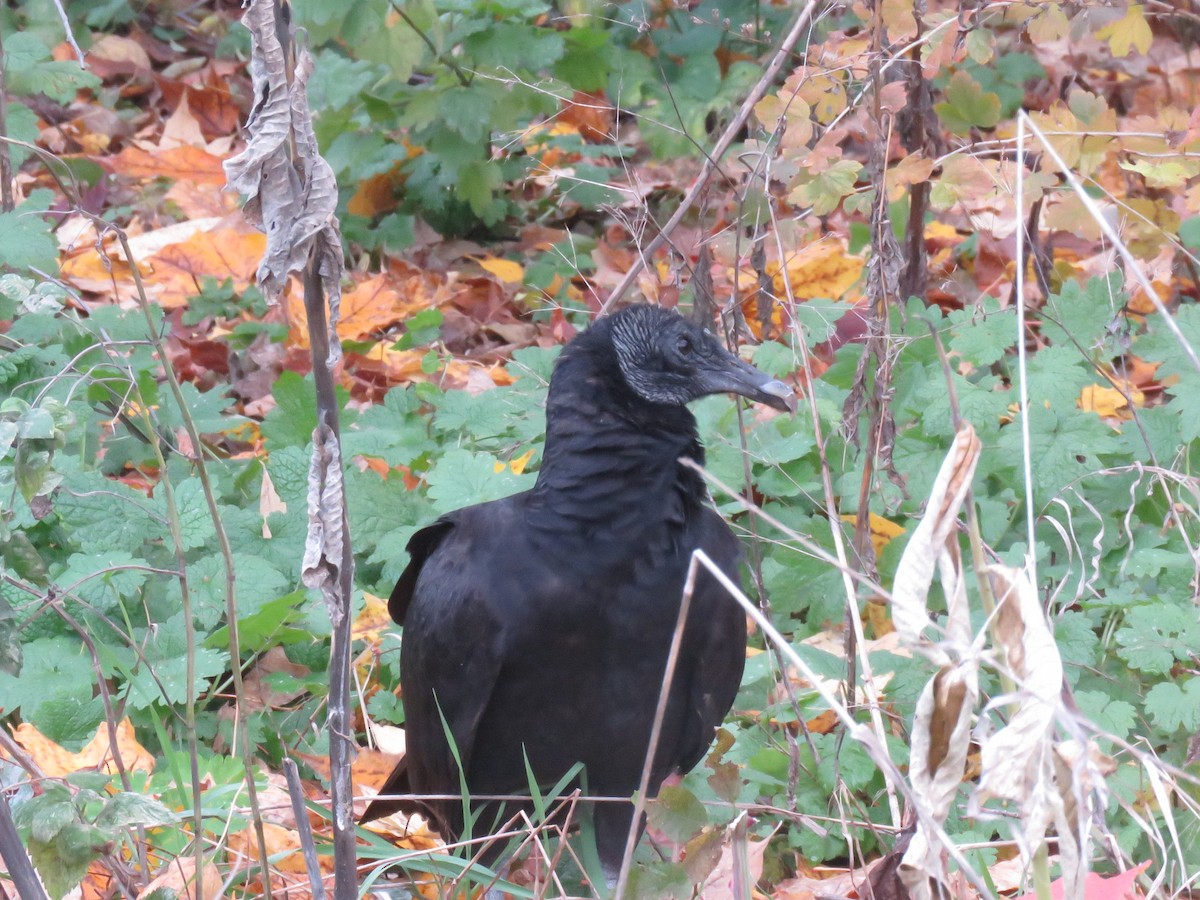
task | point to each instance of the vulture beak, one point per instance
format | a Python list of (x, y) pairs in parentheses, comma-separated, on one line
[(728, 373)]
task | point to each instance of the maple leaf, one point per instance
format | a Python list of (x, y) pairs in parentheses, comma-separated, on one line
[(1130, 32), (968, 105)]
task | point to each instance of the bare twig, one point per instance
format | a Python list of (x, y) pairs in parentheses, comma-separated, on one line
[(303, 829), (660, 712), (16, 860), (7, 203)]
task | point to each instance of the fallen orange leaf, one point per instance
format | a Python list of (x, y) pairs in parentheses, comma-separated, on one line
[(57, 761), (179, 270), (373, 304), (178, 163)]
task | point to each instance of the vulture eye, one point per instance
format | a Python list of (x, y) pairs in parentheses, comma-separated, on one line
[(684, 345)]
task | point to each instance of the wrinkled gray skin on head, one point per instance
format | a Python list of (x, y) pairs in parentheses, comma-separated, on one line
[(666, 359)]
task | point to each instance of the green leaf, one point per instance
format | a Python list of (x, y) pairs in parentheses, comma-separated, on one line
[(288, 467), (163, 676), (271, 625), (1063, 447), (54, 667), (482, 416), (126, 808), (25, 239), (1156, 635), (515, 45), (258, 582), (477, 184), (967, 105), (29, 69), (825, 190), (847, 763), (462, 478), (68, 719), (195, 521), (1076, 639), (386, 706), (1173, 706), (467, 110), (102, 579), (377, 507), (1082, 316), (291, 422), (587, 59), (1057, 376), (983, 336), (676, 813), (106, 515), (1114, 716), (45, 816)]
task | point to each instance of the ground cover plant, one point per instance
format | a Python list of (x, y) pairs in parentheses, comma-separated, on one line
[(967, 235)]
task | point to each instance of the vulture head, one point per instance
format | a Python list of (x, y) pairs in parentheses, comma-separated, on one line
[(666, 359)]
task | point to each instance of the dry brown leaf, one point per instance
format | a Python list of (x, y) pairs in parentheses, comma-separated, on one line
[(269, 502), (913, 169), (259, 693), (97, 884), (215, 108), (182, 129), (112, 54), (179, 875), (723, 882), (812, 882), (289, 876), (173, 262), (822, 269), (389, 739), (928, 545)]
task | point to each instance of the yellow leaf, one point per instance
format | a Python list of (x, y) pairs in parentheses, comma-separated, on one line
[(822, 269), (936, 230), (504, 269), (898, 18), (518, 465), (1050, 25), (1108, 402), (373, 620), (1132, 32), (882, 530)]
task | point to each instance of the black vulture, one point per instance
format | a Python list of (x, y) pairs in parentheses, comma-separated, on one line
[(538, 626)]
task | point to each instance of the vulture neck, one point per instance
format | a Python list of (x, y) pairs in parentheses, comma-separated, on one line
[(611, 458)]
